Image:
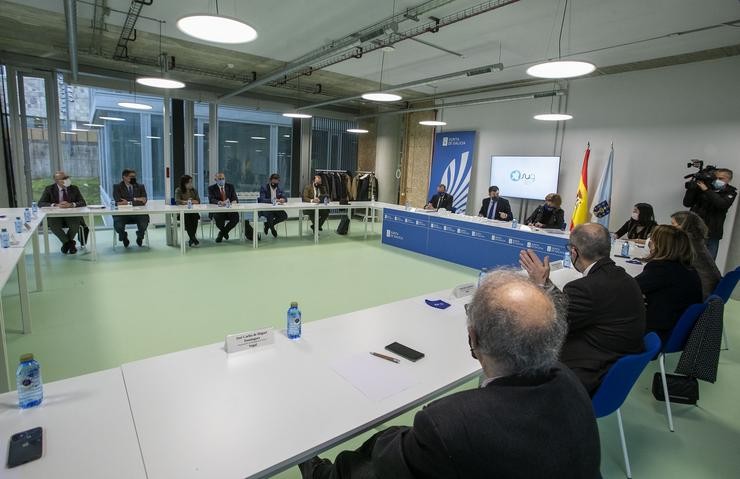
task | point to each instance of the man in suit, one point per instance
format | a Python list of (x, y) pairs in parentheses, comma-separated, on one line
[(495, 207), (128, 191), (315, 193), (527, 404), (442, 200), (272, 193), (63, 194), (606, 311), (222, 193)]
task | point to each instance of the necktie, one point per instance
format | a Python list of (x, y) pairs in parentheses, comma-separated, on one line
[(64, 195), (130, 193), (492, 209), (223, 194), (439, 199)]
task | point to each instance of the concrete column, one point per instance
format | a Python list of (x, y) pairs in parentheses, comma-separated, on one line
[(387, 157)]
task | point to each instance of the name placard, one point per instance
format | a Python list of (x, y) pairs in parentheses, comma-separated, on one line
[(463, 290), (249, 340)]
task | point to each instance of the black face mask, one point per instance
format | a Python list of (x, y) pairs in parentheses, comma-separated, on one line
[(316, 185), (132, 180), (472, 350), (274, 185)]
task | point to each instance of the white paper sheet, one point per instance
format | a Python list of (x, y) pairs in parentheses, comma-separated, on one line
[(374, 377)]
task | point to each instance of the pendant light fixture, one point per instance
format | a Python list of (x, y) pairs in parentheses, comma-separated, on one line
[(441, 113), (296, 113), (163, 81), (357, 130), (216, 28), (380, 95), (561, 68), (553, 116), (134, 105)]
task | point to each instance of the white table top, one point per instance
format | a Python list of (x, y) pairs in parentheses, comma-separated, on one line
[(203, 413), (88, 430), (22, 239)]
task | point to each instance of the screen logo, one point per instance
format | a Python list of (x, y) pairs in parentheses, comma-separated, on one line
[(524, 177)]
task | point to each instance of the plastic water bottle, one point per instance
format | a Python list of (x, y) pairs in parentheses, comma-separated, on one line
[(625, 249), (372, 199), (515, 224), (28, 382), (228, 203), (294, 321), (4, 238), (482, 275), (406, 206), (326, 200), (274, 201), (27, 215), (113, 205), (18, 225), (567, 263), (35, 209), (190, 204)]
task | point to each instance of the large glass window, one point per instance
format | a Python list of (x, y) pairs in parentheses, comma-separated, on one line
[(34, 121), (202, 174), (332, 147)]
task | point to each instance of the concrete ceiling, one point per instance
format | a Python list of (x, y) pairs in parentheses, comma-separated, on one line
[(605, 32)]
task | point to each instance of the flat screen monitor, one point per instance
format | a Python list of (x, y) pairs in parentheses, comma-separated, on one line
[(528, 177)]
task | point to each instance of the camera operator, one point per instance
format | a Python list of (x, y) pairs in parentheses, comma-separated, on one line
[(711, 202)]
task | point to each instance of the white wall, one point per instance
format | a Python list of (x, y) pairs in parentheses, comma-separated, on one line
[(657, 119)]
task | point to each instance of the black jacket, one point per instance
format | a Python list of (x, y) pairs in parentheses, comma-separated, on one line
[(50, 196), (120, 193), (498, 431), (214, 193), (502, 206), (442, 200), (711, 206), (669, 288), (606, 320), (551, 220), (631, 229)]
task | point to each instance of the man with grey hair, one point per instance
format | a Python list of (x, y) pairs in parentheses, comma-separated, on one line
[(606, 311), (63, 194), (528, 403)]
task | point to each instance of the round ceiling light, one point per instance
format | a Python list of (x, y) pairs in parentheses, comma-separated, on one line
[(356, 130), (134, 106), (112, 118), (297, 115), (561, 69), (160, 82), (379, 96), (216, 28), (94, 125), (553, 117), (432, 123)]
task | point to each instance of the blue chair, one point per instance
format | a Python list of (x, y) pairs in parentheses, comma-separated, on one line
[(724, 290), (675, 343), (618, 383)]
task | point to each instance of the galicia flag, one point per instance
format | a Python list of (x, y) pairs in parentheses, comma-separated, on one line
[(603, 196)]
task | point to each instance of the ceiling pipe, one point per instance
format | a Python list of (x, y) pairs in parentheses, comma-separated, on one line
[(70, 13), (479, 101)]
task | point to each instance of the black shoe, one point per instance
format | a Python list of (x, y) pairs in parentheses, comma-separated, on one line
[(273, 231), (195, 240), (72, 247), (65, 248), (267, 227), (219, 237), (226, 236), (313, 227), (125, 241), (140, 241), (321, 228)]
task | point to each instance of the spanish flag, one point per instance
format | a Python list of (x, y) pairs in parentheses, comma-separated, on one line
[(581, 213)]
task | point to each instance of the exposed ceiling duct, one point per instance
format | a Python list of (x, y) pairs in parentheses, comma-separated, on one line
[(70, 13)]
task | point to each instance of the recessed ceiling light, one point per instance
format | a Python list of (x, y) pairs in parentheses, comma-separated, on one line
[(154, 137), (216, 28), (134, 106), (286, 136), (160, 82), (432, 123), (232, 141), (112, 118), (80, 129), (94, 125), (561, 69), (198, 134), (553, 117), (297, 115), (258, 151), (379, 96), (356, 130), (68, 133), (258, 138)]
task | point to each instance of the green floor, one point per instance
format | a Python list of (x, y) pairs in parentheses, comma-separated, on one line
[(136, 303)]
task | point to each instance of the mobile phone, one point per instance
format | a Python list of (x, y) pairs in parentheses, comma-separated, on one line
[(25, 447), (405, 351)]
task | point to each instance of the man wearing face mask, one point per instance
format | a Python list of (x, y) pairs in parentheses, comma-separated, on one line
[(222, 193), (63, 194), (315, 193), (272, 193), (711, 203), (495, 207), (441, 201), (125, 192), (606, 311)]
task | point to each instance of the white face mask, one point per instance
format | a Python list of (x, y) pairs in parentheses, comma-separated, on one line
[(67, 183), (635, 216)]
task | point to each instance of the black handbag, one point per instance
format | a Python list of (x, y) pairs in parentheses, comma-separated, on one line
[(343, 228), (681, 389)]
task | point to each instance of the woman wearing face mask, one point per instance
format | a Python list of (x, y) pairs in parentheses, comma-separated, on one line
[(668, 282), (703, 263), (186, 191), (640, 224), (548, 215)]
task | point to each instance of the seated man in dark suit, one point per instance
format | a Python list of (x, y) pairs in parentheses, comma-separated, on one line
[(128, 191), (315, 193), (63, 194), (272, 193), (495, 207), (223, 194), (441, 201), (606, 312), (529, 419)]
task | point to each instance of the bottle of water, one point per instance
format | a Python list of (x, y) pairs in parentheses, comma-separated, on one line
[(482, 275), (294, 321), (372, 199), (228, 203), (515, 224), (28, 382), (113, 205), (190, 204), (326, 200), (274, 202), (406, 206), (626, 249), (4, 238), (18, 225), (27, 215), (35, 209), (566, 260)]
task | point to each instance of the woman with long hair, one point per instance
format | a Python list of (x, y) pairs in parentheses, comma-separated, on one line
[(640, 224), (186, 191), (703, 262)]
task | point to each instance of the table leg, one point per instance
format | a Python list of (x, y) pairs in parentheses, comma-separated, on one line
[(300, 224), (37, 261), (182, 232), (316, 225), (4, 366), (367, 212), (46, 236), (23, 292), (255, 233), (372, 227), (91, 243)]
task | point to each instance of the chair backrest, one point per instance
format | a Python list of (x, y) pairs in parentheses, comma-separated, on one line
[(727, 284), (620, 378), (680, 332)]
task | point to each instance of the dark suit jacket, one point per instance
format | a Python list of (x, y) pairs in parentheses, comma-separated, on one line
[(500, 431), (550, 220), (308, 192), (120, 192), (266, 194), (50, 196), (445, 202), (669, 288), (606, 320), (214, 193), (503, 206), (711, 206)]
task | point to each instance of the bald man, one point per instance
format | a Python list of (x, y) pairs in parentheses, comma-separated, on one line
[(530, 417), (222, 193), (606, 311), (63, 194)]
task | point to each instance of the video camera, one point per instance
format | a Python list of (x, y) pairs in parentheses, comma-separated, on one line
[(705, 173)]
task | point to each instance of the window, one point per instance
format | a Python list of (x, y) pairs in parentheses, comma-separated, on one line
[(332, 147), (201, 174)]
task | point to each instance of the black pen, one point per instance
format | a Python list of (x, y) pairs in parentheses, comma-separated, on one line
[(387, 358)]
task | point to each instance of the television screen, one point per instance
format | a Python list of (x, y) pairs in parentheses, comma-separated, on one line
[(528, 177)]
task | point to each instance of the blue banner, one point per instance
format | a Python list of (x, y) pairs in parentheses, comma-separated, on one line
[(452, 164)]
